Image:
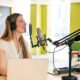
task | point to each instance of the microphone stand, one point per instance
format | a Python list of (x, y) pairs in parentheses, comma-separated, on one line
[(70, 77), (68, 40)]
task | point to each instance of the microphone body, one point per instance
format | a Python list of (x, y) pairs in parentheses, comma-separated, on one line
[(41, 39)]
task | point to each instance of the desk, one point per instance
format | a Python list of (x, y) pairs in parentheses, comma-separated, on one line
[(54, 77), (58, 77)]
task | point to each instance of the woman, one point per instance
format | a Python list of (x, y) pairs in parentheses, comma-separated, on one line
[(12, 44)]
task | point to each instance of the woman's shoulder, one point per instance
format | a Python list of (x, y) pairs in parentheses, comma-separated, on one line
[(5, 44), (2, 41)]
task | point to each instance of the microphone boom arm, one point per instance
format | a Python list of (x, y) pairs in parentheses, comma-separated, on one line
[(67, 39)]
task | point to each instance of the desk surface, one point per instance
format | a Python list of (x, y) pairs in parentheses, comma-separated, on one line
[(58, 77), (54, 77)]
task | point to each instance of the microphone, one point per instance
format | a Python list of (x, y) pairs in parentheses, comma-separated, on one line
[(77, 38), (40, 37), (30, 33), (30, 29)]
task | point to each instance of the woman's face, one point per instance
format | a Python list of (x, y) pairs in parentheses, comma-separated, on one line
[(20, 24)]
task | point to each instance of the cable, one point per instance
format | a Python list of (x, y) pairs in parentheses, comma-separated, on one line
[(55, 70), (61, 49), (77, 65), (53, 59), (55, 51), (53, 62)]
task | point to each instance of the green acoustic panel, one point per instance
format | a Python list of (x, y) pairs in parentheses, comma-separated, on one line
[(75, 22), (74, 16), (76, 46), (33, 13), (43, 22)]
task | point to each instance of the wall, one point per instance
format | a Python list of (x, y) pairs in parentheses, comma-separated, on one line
[(3, 16), (75, 17), (7, 3), (75, 22), (38, 18)]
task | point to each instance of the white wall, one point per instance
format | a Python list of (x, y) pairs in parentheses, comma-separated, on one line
[(23, 7), (59, 26), (3, 16), (7, 3), (75, 1), (41, 1)]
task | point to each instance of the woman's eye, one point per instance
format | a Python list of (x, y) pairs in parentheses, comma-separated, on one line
[(22, 21)]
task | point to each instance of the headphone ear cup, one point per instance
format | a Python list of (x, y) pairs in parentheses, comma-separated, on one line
[(12, 26)]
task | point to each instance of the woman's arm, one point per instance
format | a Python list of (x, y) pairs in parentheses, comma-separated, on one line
[(28, 50), (3, 71)]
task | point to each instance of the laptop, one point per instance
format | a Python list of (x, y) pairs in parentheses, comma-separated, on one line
[(27, 69)]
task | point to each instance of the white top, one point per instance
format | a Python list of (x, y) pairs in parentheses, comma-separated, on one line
[(10, 49)]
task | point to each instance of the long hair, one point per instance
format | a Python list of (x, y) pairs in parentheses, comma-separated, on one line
[(8, 33)]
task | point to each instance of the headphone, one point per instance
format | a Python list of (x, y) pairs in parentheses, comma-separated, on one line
[(13, 23), (12, 26)]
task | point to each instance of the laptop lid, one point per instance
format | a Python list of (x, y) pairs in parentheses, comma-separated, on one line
[(27, 69)]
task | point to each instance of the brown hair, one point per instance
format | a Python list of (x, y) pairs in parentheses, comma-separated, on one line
[(8, 33)]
